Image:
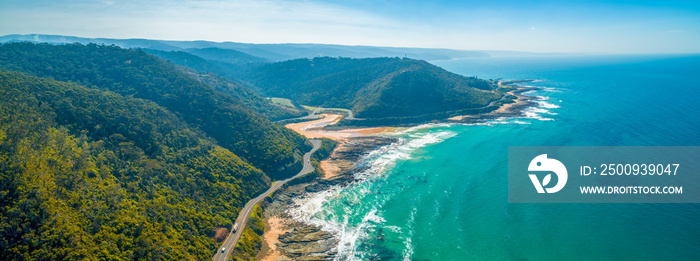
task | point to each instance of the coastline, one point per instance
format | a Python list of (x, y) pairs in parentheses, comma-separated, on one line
[(506, 110), (314, 129), (287, 239)]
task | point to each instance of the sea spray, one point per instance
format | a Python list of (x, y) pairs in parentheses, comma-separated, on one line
[(351, 212)]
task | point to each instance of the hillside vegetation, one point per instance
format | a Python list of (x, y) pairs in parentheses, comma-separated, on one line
[(133, 73), (268, 108), (90, 174), (197, 63), (374, 87), (111, 153), (223, 77)]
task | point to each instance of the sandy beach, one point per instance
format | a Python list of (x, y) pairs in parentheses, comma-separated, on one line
[(273, 230), (276, 224), (285, 238), (329, 170), (311, 129), (338, 165)]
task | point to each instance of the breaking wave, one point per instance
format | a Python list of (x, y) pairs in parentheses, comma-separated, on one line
[(351, 212)]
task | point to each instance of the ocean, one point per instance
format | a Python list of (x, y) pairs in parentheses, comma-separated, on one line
[(441, 192)]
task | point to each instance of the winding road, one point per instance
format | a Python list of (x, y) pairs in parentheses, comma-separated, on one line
[(313, 116), (243, 216), (349, 112)]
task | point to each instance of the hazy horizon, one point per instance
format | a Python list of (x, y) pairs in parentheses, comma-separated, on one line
[(616, 27)]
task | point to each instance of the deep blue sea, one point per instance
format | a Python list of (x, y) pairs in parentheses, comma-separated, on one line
[(441, 192)]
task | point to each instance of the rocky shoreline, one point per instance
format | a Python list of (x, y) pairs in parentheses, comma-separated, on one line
[(513, 109), (307, 242), (294, 240)]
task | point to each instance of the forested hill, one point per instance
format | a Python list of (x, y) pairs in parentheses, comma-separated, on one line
[(274, 149), (374, 87), (223, 77), (87, 174)]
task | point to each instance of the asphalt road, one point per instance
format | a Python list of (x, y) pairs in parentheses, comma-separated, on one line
[(243, 216), (313, 115), (349, 112)]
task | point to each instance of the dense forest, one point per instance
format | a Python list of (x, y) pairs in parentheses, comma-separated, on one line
[(229, 64), (387, 90), (90, 174), (197, 63), (250, 98), (133, 73), (374, 87), (111, 153), (219, 75)]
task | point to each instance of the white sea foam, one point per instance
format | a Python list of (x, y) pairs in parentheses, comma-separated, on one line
[(351, 213), (385, 157), (551, 89), (408, 241), (543, 107), (420, 127), (306, 210), (331, 209), (547, 105), (542, 101), (394, 229), (536, 113)]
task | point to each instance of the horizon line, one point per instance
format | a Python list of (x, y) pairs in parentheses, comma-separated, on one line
[(352, 45)]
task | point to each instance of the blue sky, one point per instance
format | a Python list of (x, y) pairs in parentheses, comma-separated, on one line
[(538, 26)]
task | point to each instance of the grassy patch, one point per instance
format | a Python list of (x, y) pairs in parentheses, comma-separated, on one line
[(311, 108), (282, 101), (256, 221), (335, 111), (507, 88)]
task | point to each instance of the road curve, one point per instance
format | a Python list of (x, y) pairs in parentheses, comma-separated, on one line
[(244, 214), (313, 115), (349, 112)]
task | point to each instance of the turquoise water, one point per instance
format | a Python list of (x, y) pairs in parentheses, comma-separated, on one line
[(441, 193)]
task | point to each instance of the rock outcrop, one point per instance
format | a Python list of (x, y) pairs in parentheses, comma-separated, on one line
[(309, 242)]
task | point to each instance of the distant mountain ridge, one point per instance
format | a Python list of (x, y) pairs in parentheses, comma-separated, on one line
[(371, 87), (142, 153), (272, 52)]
